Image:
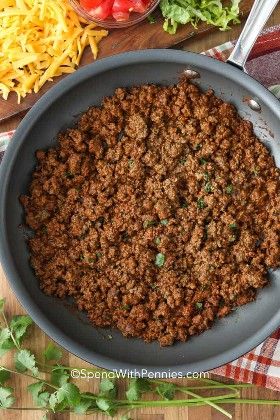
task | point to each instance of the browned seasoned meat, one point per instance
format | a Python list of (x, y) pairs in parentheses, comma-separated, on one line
[(157, 213)]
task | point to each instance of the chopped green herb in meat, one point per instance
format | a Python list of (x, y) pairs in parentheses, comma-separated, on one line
[(229, 189), (160, 259), (149, 223), (208, 187), (201, 203), (199, 305)]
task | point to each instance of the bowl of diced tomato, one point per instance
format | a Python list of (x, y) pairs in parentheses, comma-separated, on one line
[(114, 13)]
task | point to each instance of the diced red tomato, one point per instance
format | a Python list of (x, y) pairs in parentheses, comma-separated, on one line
[(140, 6), (90, 4), (102, 11), (121, 16), (121, 9)]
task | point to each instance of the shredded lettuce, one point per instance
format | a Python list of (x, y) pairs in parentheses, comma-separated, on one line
[(212, 12)]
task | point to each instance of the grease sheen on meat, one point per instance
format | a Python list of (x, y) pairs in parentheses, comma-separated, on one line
[(157, 213)]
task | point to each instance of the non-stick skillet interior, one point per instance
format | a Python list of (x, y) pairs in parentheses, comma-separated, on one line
[(229, 337)]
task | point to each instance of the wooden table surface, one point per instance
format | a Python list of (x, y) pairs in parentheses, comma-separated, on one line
[(39, 339)]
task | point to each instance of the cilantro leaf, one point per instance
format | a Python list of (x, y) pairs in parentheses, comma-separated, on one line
[(157, 241), (6, 343), (199, 305), (4, 376), (53, 401), (39, 395), (160, 259), (67, 395), (83, 406), (206, 176), (149, 223), (106, 385), (25, 360), (201, 203), (4, 335), (208, 187), (103, 404), (43, 399), (131, 162), (229, 189), (69, 174), (6, 397), (126, 307), (202, 161), (107, 388), (137, 387), (132, 393), (166, 390), (35, 388), (19, 325), (59, 376), (106, 405), (70, 393), (52, 352)]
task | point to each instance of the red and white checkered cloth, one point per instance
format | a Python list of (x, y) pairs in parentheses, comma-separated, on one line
[(261, 366)]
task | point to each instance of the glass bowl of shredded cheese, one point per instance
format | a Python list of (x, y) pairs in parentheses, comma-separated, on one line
[(115, 13)]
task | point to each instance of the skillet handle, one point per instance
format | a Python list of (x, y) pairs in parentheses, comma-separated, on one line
[(260, 12)]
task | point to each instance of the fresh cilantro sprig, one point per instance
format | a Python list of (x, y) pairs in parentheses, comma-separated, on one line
[(6, 397), (53, 391), (52, 352), (137, 387)]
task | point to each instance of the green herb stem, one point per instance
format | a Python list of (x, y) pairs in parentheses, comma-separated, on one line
[(61, 367), (37, 378), (248, 401), (12, 336), (213, 385), (228, 386), (209, 402), (179, 401)]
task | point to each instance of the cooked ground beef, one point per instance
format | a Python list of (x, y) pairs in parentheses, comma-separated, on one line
[(157, 213)]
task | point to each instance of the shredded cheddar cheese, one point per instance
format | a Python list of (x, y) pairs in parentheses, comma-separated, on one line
[(39, 40)]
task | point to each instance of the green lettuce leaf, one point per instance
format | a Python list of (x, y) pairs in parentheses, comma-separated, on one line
[(213, 12)]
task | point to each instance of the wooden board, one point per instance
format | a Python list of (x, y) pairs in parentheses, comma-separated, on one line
[(141, 36)]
